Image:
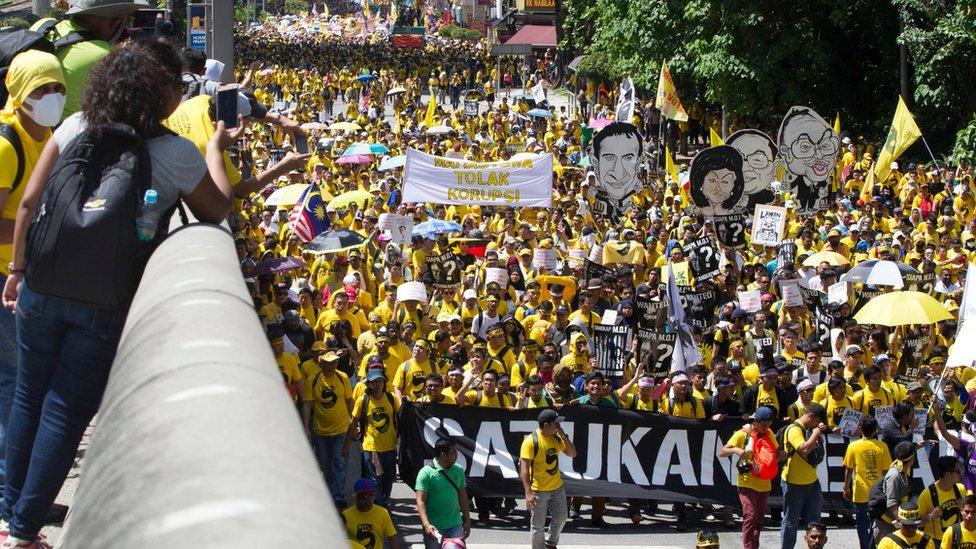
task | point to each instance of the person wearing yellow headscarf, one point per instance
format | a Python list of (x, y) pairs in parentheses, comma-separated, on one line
[(35, 82)]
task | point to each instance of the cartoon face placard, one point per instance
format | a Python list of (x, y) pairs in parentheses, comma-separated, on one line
[(615, 155), (758, 152), (717, 184), (808, 148)]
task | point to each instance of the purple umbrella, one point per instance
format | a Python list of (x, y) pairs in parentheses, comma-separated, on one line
[(355, 159), (277, 265), (599, 123)]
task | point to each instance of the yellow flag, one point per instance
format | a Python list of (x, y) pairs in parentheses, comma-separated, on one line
[(868, 185), (669, 165), (714, 138), (837, 124), (431, 111), (667, 97), (366, 8), (904, 131)]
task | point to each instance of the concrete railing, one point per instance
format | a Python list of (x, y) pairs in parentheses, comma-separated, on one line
[(197, 443)]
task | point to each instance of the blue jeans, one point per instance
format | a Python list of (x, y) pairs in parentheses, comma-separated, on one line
[(66, 353), (864, 524), (328, 451), (801, 503), (431, 543), (384, 481), (8, 376)]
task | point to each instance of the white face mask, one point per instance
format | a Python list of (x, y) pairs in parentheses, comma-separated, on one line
[(47, 110)]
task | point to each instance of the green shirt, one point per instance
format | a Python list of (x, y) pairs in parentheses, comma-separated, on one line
[(443, 507), (604, 401), (77, 61)]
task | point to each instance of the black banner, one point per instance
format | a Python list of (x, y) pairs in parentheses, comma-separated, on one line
[(911, 357), (786, 252), (654, 351), (703, 257), (612, 348), (620, 453), (651, 314), (920, 282), (699, 307), (731, 230), (595, 270)]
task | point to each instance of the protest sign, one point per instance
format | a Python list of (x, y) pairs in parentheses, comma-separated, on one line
[(446, 269), (919, 282), (910, 360), (609, 317), (750, 301), (521, 183), (922, 415), (620, 453), (703, 257), (716, 184), (837, 293), (612, 347), (544, 258), (786, 252), (768, 225), (497, 274), (620, 251), (808, 149), (596, 254), (470, 108), (576, 258), (682, 273), (850, 422), (411, 291), (615, 156), (758, 152), (654, 352), (790, 290), (731, 230), (595, 270), (884, 414)]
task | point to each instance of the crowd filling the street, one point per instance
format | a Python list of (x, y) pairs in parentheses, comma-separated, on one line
[(507, 292)]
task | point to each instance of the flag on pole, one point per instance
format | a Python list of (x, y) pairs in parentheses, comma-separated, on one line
[(308, 217), (365, 98), (430, 119), (315, 9), (868, 186), (967, 307), (686, 353), (837, 123), (667, 97), (714, 139), (539, 93), (669, 165), (625, 101), (904, 131)]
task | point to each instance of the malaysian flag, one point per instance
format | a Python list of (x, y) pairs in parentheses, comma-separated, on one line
[(308, 217), (364, 100)]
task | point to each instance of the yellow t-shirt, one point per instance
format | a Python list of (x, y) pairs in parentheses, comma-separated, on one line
[(869, 459), (947, 501), (887, 543), (329, 317), (544, 458), (410, 377), (8, 171), (866, 400), (747, 480), (192, 121), (288, 365), (370, 528), (797, 470), (380, 433), (328, 394), (691, 408), (967, 539)]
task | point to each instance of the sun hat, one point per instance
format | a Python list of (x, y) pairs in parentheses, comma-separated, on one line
[(104, 8)]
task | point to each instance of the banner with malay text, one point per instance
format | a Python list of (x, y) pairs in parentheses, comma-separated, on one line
[(521, 183)]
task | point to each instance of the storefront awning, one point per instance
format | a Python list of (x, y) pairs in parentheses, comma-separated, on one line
[(540, 36)]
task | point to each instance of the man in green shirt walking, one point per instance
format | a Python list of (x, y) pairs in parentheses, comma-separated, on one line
[(442, 498)]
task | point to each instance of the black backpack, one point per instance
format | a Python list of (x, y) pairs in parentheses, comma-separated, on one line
[(815, 456), (82, 243), (16, 41), (878, 499)]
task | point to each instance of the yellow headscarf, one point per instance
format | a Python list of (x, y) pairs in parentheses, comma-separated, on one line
[(28, 71)]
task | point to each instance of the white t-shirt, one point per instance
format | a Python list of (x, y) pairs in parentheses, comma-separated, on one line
[(177, 165)]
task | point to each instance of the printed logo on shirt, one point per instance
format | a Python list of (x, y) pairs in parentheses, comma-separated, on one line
[(381, 420), (365, 536), (552, 461), (328, 396)]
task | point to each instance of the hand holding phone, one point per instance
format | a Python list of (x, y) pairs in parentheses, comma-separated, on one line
[(227, 105)]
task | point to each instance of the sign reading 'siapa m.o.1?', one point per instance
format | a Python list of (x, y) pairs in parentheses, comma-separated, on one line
[(429, 178)]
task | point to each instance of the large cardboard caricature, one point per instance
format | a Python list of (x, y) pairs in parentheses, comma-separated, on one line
[(808, 148), (758, 153), (717, 189), (615, 156)]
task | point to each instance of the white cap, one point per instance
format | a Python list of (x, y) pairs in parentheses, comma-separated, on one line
[(469, 294), (349, 279), (805, 384), (894, 165)]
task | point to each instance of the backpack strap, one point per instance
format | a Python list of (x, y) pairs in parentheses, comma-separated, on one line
[(449, 479), (393, 414), (10, 134), (934, 494), (956, 535), (76, 37), (362, 416), (46, 26), (900, 542)]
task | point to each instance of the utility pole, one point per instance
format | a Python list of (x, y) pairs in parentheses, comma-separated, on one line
[(903, 64), (222, 33)]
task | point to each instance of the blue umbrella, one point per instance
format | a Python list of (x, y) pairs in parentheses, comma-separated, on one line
[(541, 113), (365, 148), (436, 226), (393, 162), (365, 77)]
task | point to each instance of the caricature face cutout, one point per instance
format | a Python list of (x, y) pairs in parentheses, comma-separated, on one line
[(808, 145), (758, 152), (617, 149), (716, 181)]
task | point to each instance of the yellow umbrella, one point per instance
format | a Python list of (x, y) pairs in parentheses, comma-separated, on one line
[(345, 199), (902, 308), (345, 126), (286, 196), (832, 258)]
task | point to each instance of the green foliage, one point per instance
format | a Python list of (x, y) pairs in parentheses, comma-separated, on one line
[(965, 148), (243, 13), (595, 66), (16, 22), (458, 33), (296, 7)]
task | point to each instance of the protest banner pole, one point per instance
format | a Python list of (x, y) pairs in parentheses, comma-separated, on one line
[(932, 156)]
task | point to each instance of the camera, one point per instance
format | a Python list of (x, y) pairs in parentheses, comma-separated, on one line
[(744, 466)]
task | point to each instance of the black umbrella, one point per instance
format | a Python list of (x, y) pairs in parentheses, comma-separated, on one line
[(277, 265), (335, 241)]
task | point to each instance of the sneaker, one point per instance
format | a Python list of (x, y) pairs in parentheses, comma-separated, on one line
[(574, 514)]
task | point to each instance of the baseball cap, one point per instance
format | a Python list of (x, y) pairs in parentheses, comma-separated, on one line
[(364, 485), (549, 415), (469, 294), (851, 349), (764, 413), (912, 386), (373, 375), (881, 358)]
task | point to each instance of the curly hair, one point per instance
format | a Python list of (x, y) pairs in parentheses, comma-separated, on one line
[(130, 87)]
